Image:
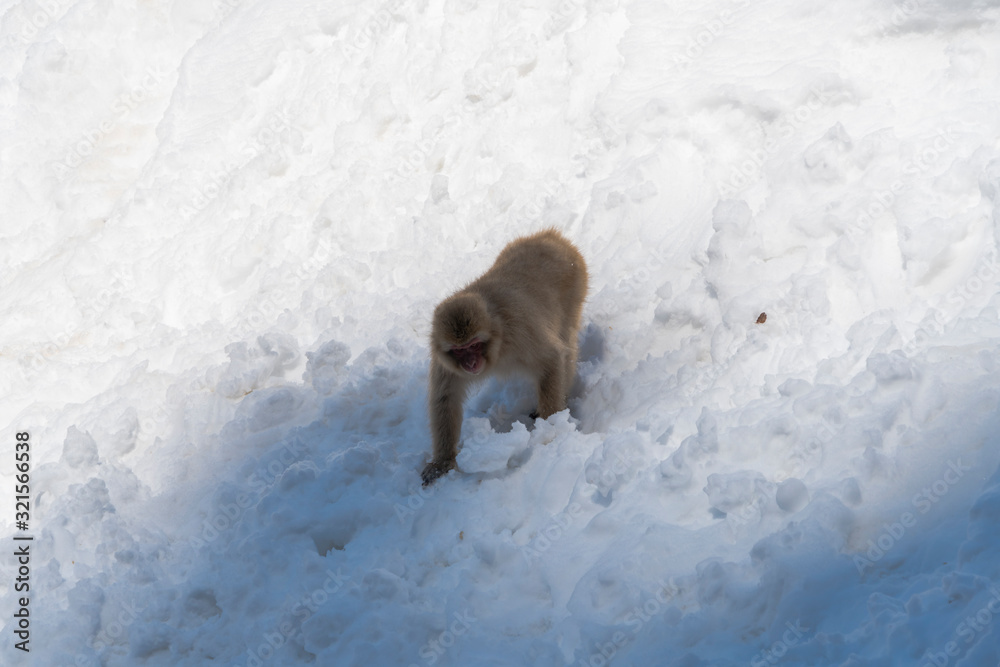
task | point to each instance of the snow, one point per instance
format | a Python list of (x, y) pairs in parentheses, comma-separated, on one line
[(225, 226)]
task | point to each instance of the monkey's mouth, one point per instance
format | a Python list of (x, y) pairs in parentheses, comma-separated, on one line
[(470, 356)]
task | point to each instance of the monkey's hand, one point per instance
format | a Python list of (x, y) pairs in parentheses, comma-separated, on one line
[(435, 469)]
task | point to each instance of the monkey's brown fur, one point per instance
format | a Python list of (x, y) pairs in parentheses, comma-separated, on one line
[(521, 316)]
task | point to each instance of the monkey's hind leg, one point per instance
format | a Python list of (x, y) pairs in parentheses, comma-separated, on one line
[(552, 387), (569, 367)]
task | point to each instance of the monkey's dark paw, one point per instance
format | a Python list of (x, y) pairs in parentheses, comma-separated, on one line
[(534, 415), (435, 469)]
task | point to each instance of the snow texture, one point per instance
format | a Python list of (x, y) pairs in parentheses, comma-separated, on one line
[(226, 224)]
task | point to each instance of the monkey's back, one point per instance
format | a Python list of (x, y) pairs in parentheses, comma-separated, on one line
[(538, 284)]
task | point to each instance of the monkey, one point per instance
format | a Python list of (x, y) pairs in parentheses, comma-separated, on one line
[(521, 316)]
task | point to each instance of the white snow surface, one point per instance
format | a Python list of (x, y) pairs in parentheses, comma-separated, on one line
[(225, 225)]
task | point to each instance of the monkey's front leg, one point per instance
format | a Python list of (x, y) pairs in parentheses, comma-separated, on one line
[(446, 396)]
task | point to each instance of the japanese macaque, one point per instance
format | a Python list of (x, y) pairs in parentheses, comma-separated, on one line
[(521, 316)]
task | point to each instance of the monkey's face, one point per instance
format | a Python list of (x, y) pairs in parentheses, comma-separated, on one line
[(461, 334), (470, 357)]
